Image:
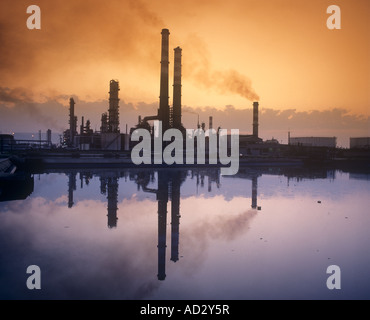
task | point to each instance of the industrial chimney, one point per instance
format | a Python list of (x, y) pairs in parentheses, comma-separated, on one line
[(177, 89), (113, 120), (164, 110), (82, 127), (255, 119), (72, 122), (210, 123)]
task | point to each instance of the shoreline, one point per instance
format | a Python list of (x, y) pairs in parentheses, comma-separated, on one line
[(37, 161)]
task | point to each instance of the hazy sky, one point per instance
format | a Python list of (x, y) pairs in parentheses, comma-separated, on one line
[(279, 52)]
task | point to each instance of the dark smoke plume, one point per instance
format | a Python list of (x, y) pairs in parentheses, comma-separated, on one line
[(198, 67), (21, 102)]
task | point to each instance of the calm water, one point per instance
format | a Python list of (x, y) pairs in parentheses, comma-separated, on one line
[(188, 234)]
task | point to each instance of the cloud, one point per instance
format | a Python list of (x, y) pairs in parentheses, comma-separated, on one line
[(94, 269), (21, 112), (198, 68), (80, 43), (15, 95), (227, 228), (76, 39)]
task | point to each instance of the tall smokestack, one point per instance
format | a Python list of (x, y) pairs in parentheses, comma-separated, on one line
[(82, 128), (164, 110), (113, 120), (177, 89), (210, 123), (72, 123), (255, 119)]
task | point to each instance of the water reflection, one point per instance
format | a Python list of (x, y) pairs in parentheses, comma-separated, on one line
[(205, 218), (169, 184), (71, 188), (168, 189)]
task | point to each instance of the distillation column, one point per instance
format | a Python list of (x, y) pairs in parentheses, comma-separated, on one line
[(113, 121), (72, 121)]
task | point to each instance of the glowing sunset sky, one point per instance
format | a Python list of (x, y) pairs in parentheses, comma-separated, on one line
[(281, 48)]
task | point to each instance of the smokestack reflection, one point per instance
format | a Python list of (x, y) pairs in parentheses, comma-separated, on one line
[(254, 192), (175, 216), (162, 198), (168, 189), (169, 185)]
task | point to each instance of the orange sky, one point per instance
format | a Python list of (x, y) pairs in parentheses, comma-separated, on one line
[(309, 79), (283, 47)]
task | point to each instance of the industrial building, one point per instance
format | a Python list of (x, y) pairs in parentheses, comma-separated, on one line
[(6, 142), (359, 143), (169, 116), (109, 136), (111, 148), (329, 142), (9, 144)]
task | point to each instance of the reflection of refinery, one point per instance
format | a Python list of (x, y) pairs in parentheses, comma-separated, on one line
[(166, 186), (168, 189)]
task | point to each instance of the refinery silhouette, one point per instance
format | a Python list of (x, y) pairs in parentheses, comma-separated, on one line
[(109, 147)]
